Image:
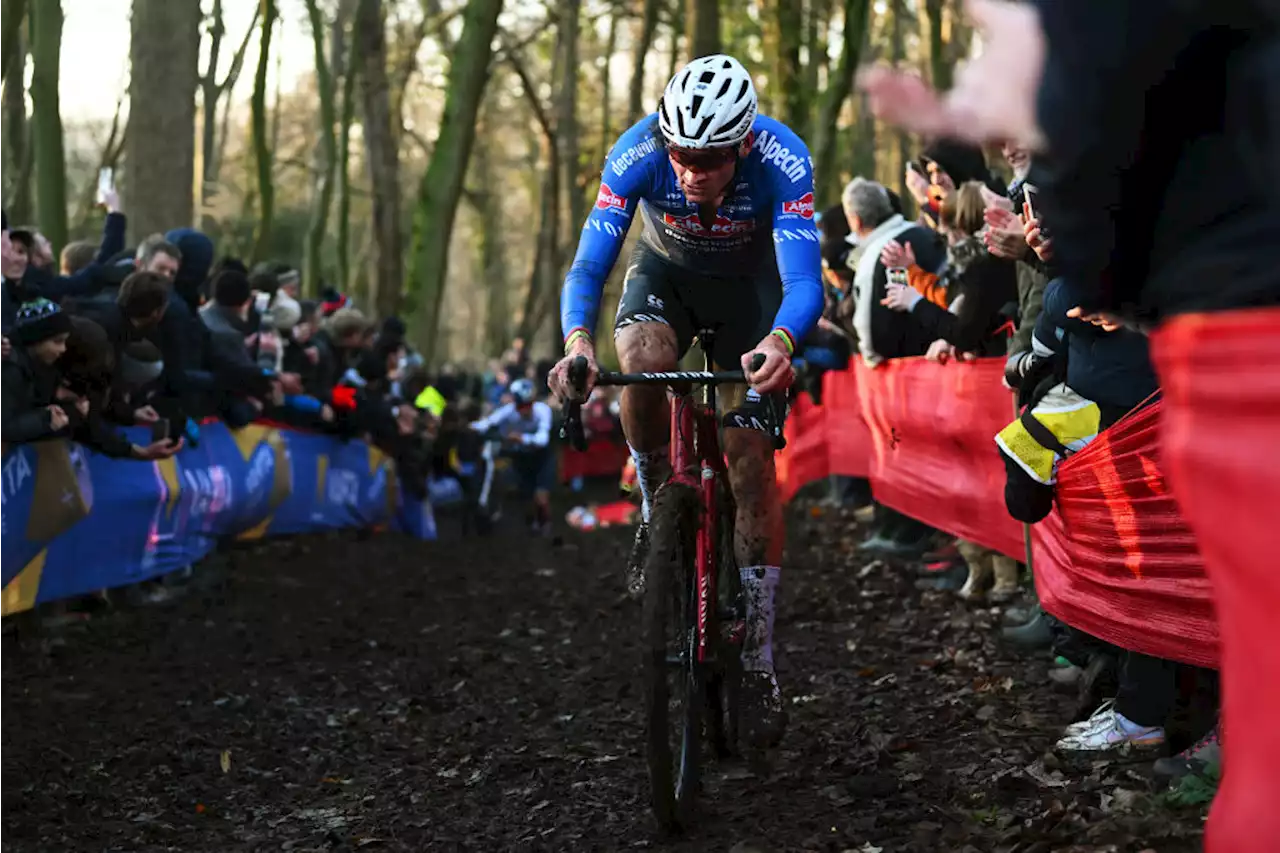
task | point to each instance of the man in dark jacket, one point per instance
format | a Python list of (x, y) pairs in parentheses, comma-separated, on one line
[(226, 319)]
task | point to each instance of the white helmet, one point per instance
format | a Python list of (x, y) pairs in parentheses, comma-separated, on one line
[(711, 102)]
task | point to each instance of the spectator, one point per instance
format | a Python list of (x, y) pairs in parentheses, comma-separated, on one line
[(332, 302), (336, 343), (76, 256), (156, 254), (226, 318), (976, 285), (88, 376), (883, 333), (31, 376), (41, 278), (197, 257)]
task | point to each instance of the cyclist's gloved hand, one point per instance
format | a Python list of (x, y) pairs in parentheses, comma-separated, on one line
[(559, 380), (776, 374)]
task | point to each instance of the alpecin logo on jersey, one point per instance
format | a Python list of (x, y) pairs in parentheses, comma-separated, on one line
[(722, 228), (802, 206), (607, 198), (794, 166)]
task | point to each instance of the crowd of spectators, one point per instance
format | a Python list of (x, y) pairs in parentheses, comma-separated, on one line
[(975, 275), (163, 336)]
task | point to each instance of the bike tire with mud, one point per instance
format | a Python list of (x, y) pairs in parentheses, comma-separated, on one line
[(671, 670)]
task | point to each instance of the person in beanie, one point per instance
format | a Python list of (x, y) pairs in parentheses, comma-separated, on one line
[(30, 376)]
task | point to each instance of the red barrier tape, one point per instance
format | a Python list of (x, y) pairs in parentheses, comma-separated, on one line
[(1118, 561), (1221, 425)]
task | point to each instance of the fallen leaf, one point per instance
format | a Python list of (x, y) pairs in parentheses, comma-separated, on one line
[(224, 761), (986, 712)]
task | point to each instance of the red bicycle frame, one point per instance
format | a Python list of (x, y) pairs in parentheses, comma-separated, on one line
[(696, 461)]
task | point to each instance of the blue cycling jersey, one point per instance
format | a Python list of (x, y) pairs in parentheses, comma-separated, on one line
[(772, 196)]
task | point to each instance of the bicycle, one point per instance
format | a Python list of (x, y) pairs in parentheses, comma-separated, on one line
[(693, 612)]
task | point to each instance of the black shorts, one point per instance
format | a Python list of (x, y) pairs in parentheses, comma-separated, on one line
[(741, 309)]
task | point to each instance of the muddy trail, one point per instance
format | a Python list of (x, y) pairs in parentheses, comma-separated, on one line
[(334, 694)]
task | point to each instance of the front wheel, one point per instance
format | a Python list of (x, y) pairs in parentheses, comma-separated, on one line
[(674, 688)]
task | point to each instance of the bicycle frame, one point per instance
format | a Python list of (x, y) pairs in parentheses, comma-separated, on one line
[(697, 462)]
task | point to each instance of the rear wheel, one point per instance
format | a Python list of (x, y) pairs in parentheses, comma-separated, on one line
[(673, 678)]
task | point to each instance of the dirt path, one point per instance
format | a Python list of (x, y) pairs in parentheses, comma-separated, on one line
[(389, 695)]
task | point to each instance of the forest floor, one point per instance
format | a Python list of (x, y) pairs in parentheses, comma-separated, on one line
[(338, 693)]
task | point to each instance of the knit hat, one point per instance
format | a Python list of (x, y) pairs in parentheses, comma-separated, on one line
[(140, 363), (40, 320), (332, 302), (285, 312)]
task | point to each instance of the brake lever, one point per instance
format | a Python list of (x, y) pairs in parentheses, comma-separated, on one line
[(771, 400), (571, 427)]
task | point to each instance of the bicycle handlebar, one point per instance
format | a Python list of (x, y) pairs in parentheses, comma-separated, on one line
[(571, 429)]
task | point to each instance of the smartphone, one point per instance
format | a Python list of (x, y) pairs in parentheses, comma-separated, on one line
[(915, 167), (1029, 193), (106, 183), (261, 301), (159, 430)]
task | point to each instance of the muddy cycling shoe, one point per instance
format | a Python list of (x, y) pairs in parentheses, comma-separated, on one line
[(635, 563), (764, 718)]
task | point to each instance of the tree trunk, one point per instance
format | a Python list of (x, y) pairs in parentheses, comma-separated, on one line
[(382, 156), (897, 53), (261, 143), (214, 139), (46, 137), (784, 32), (677, 32), (815, 43), (704, 27), (606, 98), (17, 191), (164, 51), (209, 95), (648, 27), (441, 185), (350, 73), (566, 110), (939, 62), (491, 245), (14, 15), (825, 131), (326, 156)]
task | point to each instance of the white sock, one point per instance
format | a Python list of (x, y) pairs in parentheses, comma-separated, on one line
[(759, 583), (653, 467)]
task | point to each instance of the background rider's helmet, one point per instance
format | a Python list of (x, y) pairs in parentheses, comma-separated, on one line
[(523, 391), (710, 103)]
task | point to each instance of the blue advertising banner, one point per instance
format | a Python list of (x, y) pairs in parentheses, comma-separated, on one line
[(76, 521)]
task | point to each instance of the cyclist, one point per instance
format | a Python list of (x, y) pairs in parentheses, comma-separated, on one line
[(525, 427), (713, 181)]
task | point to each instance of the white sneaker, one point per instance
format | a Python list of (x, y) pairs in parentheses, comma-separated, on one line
[(1112, 733), (1103, 711)]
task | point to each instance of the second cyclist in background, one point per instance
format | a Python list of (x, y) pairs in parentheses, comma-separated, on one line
[(524, 426)]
